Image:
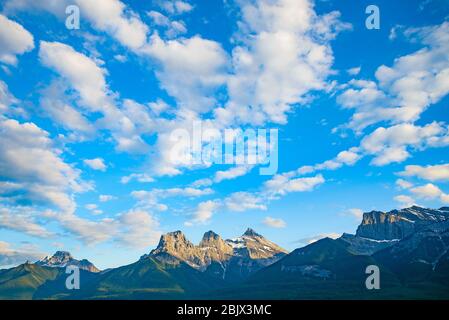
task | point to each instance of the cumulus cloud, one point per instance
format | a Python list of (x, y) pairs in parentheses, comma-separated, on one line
[(283, 53), (427, 191), (203, 213), (22, 219), (232, 173), (88, 79), (93, 208), (140, 177), (34, 166), (11, 256), (151, 198), (407, 88), (282, 184), (139, 229), (175, 7), (110, 16), (106, 197), (14, 40), (114, 18), (9, 103), (391, 144), (191, 70), (274, 223), (404, 200), (403, 184), (95, 164), (355, 212), (243, 201), (430, 172), (135, 228), (172, 28)]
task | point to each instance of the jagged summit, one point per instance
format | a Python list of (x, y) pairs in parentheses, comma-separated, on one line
[(250, 251), (62, 259), (251, 233), (210, 235)]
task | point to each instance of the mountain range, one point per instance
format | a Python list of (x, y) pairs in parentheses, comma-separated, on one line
[(410, 247)]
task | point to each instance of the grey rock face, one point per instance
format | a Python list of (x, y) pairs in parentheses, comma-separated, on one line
[(398, 224)]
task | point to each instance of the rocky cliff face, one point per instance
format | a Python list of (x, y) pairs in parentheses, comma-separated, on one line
[(379, 230), (397, 224), (226, 259), (62, 259)]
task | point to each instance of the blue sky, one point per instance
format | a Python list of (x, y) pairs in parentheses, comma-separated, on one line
[(86, 116)]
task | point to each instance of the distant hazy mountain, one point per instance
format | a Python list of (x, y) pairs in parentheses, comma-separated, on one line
[(62, 259), (410, 247)]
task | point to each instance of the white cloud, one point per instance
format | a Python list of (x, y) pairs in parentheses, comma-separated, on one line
[(175, 7), (139, 229), (431, 173), (390, 144), (113, 17), (282, 184), (54, 102), (22, 220), (11, 257), (191, 70), (88, 79), (403, 184), (9, 105), (95, 164), (406, 201), (203, 213), (106, 198), (346, 157), (406, 89), (93, 208), (232, 173), (283, 53), (274, 223), (354, 71), (135, 228), (428, 191), (202, 183), (35, 166), (140, 177), (151, 198), (14, 40), (243, 201), (356, 213), (172, 28), (81, 71)]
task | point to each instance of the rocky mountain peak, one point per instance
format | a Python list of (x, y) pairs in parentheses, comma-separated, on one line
[(251, 233), (210, 235), (173, 242), (251, 250), (62, 259), (397, 224)]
